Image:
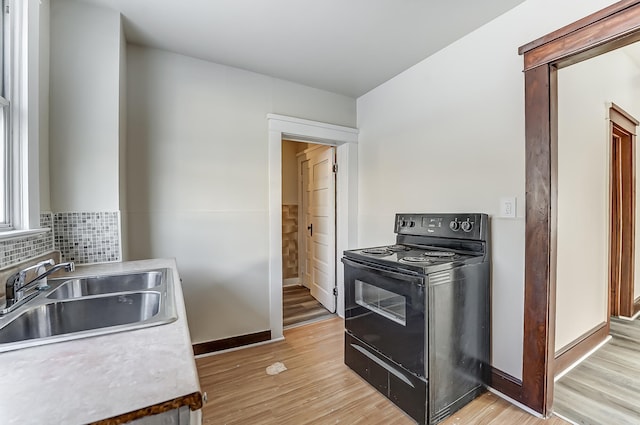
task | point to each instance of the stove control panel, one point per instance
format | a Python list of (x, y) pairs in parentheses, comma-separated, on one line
[(459, 226)]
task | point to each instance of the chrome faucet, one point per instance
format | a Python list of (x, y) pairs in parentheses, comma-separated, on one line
[(16, 288)]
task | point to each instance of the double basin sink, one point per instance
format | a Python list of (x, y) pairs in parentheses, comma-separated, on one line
[(80, 307)]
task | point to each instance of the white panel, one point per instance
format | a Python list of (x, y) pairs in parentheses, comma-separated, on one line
[(320, 197), (320, 275), (321, 254), (321, 226)]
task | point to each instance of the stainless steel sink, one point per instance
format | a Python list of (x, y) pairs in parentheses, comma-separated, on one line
[(90, 306), (65, 317), (82, 287)]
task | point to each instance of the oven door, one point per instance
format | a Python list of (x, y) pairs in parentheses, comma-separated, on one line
[(386, 309)]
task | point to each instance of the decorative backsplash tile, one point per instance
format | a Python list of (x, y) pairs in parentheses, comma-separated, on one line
[(87, 237), (46, 221), (289, 241), (17, 250)]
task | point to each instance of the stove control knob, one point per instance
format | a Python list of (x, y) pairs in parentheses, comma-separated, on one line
[(454, 225), (466, 226), (412, 224), (403, 223)]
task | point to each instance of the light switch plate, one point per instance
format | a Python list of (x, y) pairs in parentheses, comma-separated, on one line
[(508, 207)]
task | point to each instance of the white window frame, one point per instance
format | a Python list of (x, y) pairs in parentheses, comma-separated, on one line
[(5, 110), (21, 65)]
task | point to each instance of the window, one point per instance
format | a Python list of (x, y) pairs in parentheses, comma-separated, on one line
[(19, 127), (5, 110)]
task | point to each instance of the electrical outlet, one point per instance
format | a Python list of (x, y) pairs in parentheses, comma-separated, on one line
[(508, 207)]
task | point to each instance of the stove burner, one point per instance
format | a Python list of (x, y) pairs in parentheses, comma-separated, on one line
[(398, 248), (415, 260), (440, 254), (377, 251)]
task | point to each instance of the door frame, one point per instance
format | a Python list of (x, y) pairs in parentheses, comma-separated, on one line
[(622, 239), (608, 29), (345, 139)]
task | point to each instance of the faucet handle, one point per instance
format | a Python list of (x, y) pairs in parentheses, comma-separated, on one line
[(44, 263), (17, 280)]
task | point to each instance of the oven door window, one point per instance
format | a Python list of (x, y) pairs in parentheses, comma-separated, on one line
[(380, 301)]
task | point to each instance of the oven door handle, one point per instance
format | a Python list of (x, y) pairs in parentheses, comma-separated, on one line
[(383, 272)]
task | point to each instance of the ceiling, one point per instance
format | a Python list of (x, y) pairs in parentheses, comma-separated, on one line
[(344, 46)]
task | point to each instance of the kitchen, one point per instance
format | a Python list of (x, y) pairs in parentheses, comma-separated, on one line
[(169, 178)]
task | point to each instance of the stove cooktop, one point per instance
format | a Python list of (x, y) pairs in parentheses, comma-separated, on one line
[(427, 243), (410, 257)]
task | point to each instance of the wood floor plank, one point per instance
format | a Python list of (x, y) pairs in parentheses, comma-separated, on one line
[(317, 388), (604, 389), (299, 306)]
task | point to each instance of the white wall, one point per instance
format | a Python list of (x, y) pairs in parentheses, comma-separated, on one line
[(197, 174), (45, 199), (84, 107), (122, 145), (583, 186), (290, 171), (451, 130)]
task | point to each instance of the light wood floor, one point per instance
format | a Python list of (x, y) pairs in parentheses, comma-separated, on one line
[(318, 388), (605, 388), (298, 306)]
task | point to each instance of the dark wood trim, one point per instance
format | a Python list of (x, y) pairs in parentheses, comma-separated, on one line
[(193, 400), (584, 22), (622, 128), (620, 26), (540, 238), (506, 384), (233, 342), (614, 233), (572, 352), (603, 31)]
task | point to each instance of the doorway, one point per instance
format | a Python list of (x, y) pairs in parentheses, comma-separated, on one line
[(345, 140), (308, 232), (598, 33), (622, 131)]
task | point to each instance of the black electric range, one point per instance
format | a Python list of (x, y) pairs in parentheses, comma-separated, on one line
[(417, 313)]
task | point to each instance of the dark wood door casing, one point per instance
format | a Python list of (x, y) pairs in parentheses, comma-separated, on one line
[(623, 211), (615, 238), (540, 237), (603, 31)]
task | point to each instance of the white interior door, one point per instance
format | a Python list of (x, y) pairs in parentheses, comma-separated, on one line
[(321, 229), (305, 264)]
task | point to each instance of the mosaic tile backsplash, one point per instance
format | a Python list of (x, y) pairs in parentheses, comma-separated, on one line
[(87, 237), (17, 250), (289, 241)]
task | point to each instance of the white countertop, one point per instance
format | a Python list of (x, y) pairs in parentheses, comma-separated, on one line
[(91, 379)]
